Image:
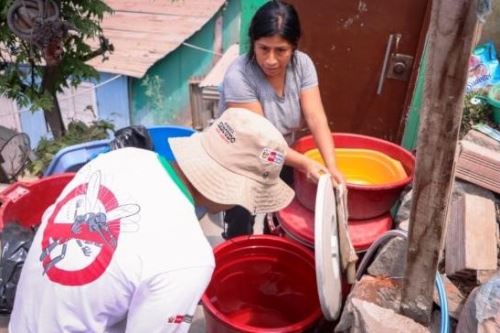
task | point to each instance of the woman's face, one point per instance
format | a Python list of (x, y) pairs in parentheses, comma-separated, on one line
[(273, 55)]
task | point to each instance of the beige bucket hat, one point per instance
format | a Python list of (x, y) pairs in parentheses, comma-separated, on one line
[(236, 161)]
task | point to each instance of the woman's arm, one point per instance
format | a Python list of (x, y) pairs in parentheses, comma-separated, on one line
[(294, 159), (314, 114), (252, 106), (312, 169)]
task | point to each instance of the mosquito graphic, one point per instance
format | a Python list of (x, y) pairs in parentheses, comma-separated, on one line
[(90, 226)]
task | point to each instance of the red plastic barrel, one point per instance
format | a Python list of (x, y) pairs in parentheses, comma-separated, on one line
[(298, 224), (364, 201), (25, 202), (260, 284)]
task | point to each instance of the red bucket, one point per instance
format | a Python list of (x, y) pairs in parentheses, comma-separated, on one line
[(262, 284), (298, 224), (25, 202), (364, 201)]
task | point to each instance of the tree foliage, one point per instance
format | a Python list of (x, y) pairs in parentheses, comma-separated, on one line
[(33, 71), (78, 132)]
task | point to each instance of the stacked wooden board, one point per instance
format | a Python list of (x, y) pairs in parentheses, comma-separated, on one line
[(479, 164)]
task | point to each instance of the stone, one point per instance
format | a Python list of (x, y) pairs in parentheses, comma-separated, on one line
[(390, 260), (364, 316)]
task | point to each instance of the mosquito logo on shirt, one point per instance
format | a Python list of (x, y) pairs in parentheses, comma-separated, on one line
[(84, 226)]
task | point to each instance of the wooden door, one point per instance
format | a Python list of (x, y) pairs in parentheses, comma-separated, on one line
[(348, 42)]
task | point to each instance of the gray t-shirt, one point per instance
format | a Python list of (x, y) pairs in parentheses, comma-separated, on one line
[(245, 82)]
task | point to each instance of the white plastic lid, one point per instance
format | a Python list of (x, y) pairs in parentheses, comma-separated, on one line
[(326, 248)]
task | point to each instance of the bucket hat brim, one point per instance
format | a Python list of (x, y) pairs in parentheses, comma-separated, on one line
[(223, 186)]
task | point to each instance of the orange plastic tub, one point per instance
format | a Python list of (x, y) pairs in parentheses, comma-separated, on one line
[(364, 166), (370, 194)]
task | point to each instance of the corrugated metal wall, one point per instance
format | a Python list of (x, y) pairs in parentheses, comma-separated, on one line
[(9, 114), (113, 100), (248, 9), (105, 99), (78, 103), (33, 124), (162, 96)]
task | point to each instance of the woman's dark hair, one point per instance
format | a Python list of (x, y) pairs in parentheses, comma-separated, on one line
[(274, 18)]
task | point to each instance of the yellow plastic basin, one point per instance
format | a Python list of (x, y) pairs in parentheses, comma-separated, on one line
[(364, 166)]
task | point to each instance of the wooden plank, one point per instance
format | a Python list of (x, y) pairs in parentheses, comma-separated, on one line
[(475, 149), (145, 31), (452, 25), (479, 180), (167, 7), (455, 235), (479, 165), (471, 242), (153, 24), (482, 140), (132, 37)]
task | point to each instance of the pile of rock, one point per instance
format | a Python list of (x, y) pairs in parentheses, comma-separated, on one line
[(470, 260)]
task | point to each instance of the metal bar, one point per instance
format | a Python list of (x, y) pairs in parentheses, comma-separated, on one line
[(384, 65)]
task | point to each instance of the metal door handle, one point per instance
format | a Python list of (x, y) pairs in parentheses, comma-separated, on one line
[(388, 48)]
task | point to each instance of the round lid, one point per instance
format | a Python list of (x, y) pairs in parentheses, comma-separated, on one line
[(326, 248)]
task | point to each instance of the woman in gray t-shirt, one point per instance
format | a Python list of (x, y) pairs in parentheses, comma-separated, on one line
[(280, 82)]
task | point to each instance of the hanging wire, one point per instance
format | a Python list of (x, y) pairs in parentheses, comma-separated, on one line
[(70, 96), (91, 89), (201, 49)]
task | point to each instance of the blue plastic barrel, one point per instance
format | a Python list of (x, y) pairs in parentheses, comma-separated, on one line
[(160, 134), (72, 158)]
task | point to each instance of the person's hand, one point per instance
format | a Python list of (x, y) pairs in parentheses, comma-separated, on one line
[(313, 170), (337, 176)]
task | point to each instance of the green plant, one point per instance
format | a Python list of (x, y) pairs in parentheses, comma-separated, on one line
[(44, 49), (153, 85), (476, 111), (78, 132)]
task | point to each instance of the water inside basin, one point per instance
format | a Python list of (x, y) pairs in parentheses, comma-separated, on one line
[(364, 166)]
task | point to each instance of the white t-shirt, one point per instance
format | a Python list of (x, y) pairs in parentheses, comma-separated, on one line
[(121, 250)]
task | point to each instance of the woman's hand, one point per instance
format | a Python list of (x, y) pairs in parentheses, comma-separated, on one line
[(337, 176), (313, 170)]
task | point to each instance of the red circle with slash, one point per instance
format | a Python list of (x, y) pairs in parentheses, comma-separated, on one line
[(60, 231)]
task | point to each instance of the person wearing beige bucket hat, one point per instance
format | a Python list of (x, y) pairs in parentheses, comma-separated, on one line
[(237, 161), (121, 248)]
